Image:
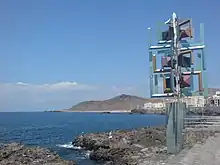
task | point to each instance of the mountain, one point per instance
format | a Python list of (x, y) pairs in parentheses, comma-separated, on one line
[(121, 102)]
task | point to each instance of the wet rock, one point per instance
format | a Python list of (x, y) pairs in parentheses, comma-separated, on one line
[(18, 154), (119, 156), (143, 146), (109, 163), (144, 150), (125, 146), (148, 111)]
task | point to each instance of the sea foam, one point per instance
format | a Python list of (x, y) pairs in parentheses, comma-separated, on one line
[(69, 146)]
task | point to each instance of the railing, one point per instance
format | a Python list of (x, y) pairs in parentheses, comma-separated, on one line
[(195, 123)]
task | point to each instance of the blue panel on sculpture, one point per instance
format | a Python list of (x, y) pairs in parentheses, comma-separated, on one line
[(188, 62)]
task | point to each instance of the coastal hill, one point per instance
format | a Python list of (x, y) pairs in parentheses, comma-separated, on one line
[(121, 102)]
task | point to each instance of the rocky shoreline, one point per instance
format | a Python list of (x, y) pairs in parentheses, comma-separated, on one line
[(134, 147), (207, 111), (18, 154), (125, 147), (148, 111), (121, 147)]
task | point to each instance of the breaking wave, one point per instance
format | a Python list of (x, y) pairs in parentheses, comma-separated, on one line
[(69, 146), (87, 154)]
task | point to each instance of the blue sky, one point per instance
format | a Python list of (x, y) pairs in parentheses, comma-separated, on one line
[(99, 44)]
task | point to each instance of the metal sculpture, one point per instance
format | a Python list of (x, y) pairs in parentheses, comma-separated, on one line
[(182, 60)]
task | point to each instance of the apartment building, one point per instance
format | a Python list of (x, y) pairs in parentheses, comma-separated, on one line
[(191, 101)]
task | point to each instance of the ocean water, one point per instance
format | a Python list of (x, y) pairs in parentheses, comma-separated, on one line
[(56, 131)]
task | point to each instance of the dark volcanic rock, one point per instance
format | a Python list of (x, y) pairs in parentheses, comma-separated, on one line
[(144, 146), (139, 111), (18, 154), (124, 147), (115, 155), (148, 111)]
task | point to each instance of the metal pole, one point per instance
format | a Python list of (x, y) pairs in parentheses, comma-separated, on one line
[(176, 52)]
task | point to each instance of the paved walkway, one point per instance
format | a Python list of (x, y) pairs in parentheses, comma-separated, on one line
[(200, 154)]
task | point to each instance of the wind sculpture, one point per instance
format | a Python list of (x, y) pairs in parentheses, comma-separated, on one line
[(181, 71), (177, 62)]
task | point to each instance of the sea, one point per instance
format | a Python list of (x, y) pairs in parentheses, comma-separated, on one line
[(56, 130)]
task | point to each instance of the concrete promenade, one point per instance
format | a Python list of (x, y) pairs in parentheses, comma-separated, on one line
[(200, 154)]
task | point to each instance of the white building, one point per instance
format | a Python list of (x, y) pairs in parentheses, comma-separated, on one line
[(191, 101), (152, 105), (215, 99), (194, 101)]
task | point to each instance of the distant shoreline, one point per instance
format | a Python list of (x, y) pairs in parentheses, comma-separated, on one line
[(104, 111), (112, 112)]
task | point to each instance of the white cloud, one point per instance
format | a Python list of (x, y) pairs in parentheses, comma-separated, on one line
[(22, 96), (22, 84), (60, 86)]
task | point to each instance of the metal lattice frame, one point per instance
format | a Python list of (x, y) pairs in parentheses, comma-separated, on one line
[(173, 70), (173, 48)]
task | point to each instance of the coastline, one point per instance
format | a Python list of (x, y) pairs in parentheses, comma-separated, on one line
[(80, 111), (125, 146), (139, 146), (150, 112), (17, 154), (208, 111)]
